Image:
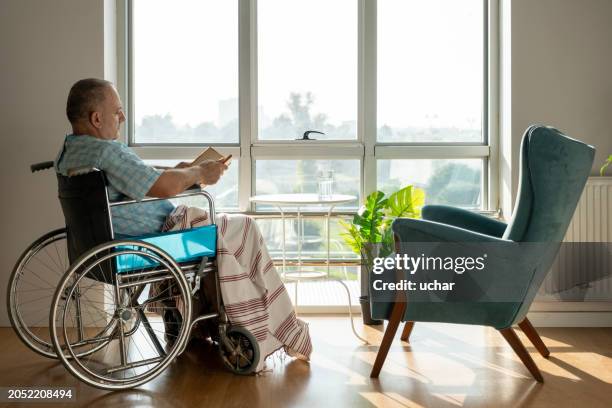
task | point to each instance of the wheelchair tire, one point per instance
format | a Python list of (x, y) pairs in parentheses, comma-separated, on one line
[(49, 252), (135, 349), (239, 351)]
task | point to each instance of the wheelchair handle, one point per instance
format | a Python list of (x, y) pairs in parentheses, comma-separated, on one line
[(41, 166)]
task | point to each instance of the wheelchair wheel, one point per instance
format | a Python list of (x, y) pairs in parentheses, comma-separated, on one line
[(239, 350), (31, 287), (112, 284)]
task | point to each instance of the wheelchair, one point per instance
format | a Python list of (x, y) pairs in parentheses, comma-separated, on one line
[(119, 311)]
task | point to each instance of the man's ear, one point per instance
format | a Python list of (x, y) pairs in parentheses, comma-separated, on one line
[(95, 118)]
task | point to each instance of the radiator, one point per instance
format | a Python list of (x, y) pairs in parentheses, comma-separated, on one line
[(583, 268)]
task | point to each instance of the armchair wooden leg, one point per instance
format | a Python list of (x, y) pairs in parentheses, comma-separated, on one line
[(407, 330), (394, 321), (521, 351), (534, 337)]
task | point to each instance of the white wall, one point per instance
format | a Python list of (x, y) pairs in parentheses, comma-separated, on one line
[(561, 73), (45, 46)]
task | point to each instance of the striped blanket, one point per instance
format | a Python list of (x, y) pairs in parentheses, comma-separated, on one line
[(253, 294)]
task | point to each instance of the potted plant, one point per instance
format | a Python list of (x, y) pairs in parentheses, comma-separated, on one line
[(370, 235)]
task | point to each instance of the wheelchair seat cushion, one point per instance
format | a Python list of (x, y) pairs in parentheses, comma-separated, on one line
[(183, 246)]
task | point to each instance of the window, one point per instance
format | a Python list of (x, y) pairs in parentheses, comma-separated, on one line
[(301, 176), (185, 71), (307, 67), (398, 87), (454, 182), (430, 71)]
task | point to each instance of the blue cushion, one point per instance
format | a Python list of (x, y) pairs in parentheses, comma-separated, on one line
[(183, 246)]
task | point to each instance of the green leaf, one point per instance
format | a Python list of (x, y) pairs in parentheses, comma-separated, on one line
[(351, 236), (369, 217), (406, 202), (608, 161), (375, 201), (372, 223), (387, 242)]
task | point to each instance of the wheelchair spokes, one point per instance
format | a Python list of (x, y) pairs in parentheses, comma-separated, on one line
[(123, 340), (87, 322)]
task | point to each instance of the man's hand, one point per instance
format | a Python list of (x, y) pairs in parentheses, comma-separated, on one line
[(174, 181), (211, 171)]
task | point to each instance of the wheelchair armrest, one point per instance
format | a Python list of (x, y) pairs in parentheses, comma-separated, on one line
[(188, 193)]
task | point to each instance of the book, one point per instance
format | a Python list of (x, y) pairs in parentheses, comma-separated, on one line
[(210, 154)]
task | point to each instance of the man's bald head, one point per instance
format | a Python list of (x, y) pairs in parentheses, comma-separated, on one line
[(84, 98)]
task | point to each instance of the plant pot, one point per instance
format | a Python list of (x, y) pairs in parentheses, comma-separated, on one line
[(364, 299), (365, 312)]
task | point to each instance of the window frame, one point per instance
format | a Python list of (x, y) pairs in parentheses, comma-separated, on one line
[(365, 148)]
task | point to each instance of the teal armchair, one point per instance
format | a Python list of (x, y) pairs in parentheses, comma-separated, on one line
[(553, 171)]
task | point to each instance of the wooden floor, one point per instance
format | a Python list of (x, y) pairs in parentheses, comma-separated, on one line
[(443, 366)]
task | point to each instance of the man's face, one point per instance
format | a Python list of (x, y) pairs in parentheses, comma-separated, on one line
[(112, 115)]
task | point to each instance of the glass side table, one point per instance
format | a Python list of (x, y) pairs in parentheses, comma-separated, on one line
[(299, 201)]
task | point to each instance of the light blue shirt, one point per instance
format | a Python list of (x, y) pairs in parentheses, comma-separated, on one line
[(128, 178)]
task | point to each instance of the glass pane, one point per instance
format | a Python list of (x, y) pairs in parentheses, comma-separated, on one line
[(307, 55), (455, 182), (185, 56), (430, 70), (314, 253), (225, 192), (303, 176), (314, 241)]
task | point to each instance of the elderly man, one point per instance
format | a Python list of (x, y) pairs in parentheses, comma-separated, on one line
[(251, 289), (95, 113)]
